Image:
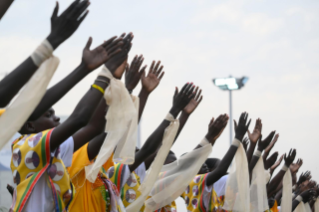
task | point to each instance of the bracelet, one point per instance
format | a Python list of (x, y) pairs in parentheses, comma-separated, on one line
[(257, 153), (285, 167), (204, 142), (100, 80), (98, 88), (299, 198), (236, 142), (169, 117)]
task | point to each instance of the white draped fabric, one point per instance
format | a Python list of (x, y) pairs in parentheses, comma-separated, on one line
[(286, 202), (237, 197), (154, 170), (27, 100), (175, 177), (121, 126)]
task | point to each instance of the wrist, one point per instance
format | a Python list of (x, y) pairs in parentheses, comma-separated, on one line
[(260, 149), (144, 93), (53, 41), (284, 168), (239, 137), (144, 90), (257, 153), (174, 112), (299, 198)]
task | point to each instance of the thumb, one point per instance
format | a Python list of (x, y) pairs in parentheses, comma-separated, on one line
[(176, 91), (88, 44), (235, 125)]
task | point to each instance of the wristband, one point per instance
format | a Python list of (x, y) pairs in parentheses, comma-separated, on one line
[(43, 52), (257, 153), (169, 117), (299, 198), (98, 88), (294, 187), (293, 195), (235, 142), (285, 167), (204, 142)]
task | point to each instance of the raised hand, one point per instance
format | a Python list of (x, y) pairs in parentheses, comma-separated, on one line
[(153, 78), (133, 73), (241, 128), (294, 167), (269, 147), (192, 105), (273, 167), (262, 144), (303, 177), (253, 137), (182, 98), (271, 161), (290, 158), (245, 143), (92, 59), (307, 195), (216, 127), (63, 26), (118, 63)]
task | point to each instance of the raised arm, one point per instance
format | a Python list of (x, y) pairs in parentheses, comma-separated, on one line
[(277, 179), (262, 144), (91, 60), (4, 6), (305, 196), (86, 107), (253, 138), (62, 27), (180, 100), (221, 169)]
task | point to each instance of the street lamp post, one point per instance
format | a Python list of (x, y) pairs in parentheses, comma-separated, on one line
[(230, 84)]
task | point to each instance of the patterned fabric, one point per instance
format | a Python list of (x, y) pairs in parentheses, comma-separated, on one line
[(168, 208), (199, 199), (129, 188), (31, 158)]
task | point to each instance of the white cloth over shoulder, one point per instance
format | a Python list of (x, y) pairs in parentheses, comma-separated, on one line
[(121, 126), (22, 107), (154, 170), (258, 190), (307, 207), (286, 202), (237, 197), (300, 208), (175, 178), (316, 206)]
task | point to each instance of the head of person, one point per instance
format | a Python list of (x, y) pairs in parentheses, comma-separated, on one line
[(212, 163), (45, 122), (171, 157)]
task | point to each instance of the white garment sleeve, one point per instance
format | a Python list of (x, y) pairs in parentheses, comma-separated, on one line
[(220, 186), (66, 151), (141, 171)]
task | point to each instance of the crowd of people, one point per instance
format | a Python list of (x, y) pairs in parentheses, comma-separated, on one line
[(90, 162)]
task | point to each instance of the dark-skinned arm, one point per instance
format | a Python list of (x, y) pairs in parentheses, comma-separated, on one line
[(262, 144), (91, 60), (306, 197), (253, 138), (187, 111), (62, 28), (271, 188), (221, 169), (4, 6), (95, 127), (181, 99)]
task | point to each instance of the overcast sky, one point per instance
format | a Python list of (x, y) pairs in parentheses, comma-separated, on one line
[(274, 43)]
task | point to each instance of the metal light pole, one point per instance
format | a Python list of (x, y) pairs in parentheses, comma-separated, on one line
[(230, 84)]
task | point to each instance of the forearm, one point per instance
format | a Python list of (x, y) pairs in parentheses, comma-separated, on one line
[(80, 116), (94, 128), (13, 82), (143, 99), (55, 93), (278, 196), (4, 5), (182, 121), (295, 203), (275, 182), (152, 143), (223, 166), (250, 151), (94, 146)]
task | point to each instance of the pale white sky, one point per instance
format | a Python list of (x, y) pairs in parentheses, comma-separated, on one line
[(274, 43)]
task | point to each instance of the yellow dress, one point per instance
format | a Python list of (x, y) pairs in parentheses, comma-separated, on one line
[(90, 196), (30, 160)]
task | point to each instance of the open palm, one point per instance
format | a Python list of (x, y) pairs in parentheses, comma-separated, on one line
[(155, 74)]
